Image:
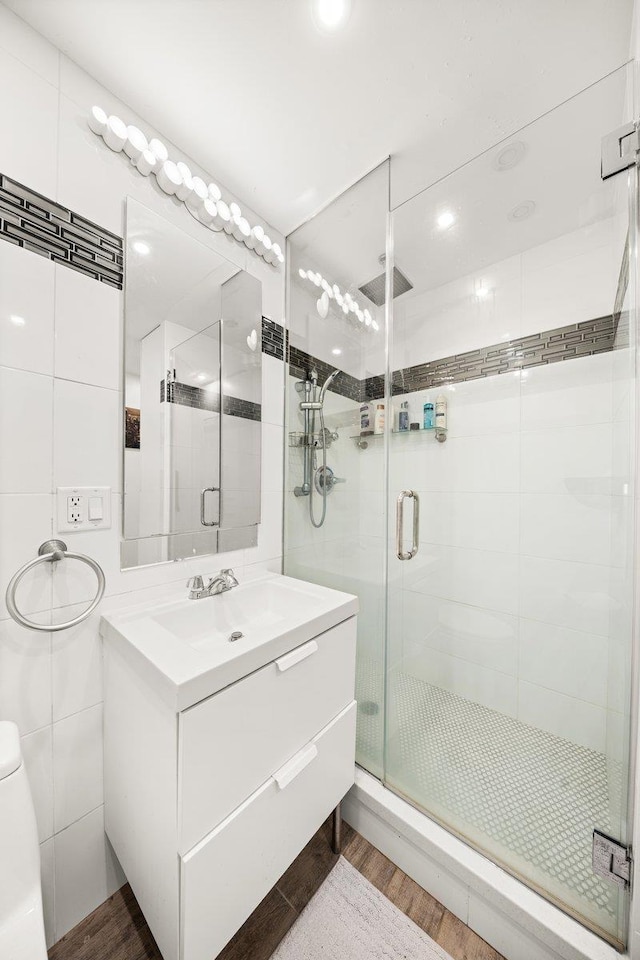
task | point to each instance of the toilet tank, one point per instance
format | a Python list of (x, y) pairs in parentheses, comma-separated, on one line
[(19, 849)]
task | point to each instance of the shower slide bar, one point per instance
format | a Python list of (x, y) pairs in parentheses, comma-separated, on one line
[(50, 552)]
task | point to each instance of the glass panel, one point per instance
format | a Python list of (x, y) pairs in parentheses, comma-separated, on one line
[(193, 494), (510, 630), (333, 325)]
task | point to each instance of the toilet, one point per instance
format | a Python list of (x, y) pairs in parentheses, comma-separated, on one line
[(21, 919)]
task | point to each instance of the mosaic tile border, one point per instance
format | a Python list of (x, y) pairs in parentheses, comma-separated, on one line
[(30, 220), (273, 338), (551, 346), (186, 395), (300, 363)]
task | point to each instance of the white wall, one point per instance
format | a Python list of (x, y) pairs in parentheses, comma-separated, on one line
[(61, 401)]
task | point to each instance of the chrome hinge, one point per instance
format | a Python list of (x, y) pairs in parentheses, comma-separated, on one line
[(611, 859), (619, 150)]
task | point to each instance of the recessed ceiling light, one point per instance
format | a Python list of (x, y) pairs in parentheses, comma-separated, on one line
[(522, 210), (336, 351), (446, 220), (17, 321), (510, 155), (142, 248), (330, 14)]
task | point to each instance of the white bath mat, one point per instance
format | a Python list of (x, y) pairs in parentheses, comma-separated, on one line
[(348, 919)]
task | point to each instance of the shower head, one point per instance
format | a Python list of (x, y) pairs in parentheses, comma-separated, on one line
[(327, 384)]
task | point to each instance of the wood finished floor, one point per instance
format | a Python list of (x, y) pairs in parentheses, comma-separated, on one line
[(117, 929)]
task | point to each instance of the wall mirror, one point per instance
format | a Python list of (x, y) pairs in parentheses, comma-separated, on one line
[(192, 396)]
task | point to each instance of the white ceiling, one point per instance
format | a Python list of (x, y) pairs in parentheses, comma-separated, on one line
[(287, 117)]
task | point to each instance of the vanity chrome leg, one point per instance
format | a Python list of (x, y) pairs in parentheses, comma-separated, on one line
[(336, 838)]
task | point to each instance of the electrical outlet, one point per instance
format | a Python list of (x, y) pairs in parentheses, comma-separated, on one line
[(74, 510), (83, 508)]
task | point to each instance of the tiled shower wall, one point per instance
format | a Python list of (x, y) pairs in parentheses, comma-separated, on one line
[(61, 403), (516, 599)]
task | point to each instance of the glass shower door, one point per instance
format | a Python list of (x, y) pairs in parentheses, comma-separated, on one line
[(509, 629), (194, 430)]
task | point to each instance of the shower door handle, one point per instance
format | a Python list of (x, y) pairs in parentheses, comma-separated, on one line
[(400, 552), (203, 521)]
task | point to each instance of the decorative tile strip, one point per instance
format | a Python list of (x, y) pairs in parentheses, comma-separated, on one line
[(300, 363), (235, 407), (273, 338), (186, 395), (551, 346), (53, 231)]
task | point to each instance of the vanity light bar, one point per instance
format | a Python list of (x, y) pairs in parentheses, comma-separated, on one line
[(343, 301), (203, 201)]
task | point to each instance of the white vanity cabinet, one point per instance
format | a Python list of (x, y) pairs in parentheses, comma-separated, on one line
[(208, 805)]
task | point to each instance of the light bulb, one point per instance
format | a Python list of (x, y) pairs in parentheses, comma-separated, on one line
[(97, 120), (329, 14), (302, 274), (142, 248), (159, 150), (446, 220)]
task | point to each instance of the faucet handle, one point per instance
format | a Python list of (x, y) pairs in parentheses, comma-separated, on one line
[(195, 583), (229, 573)]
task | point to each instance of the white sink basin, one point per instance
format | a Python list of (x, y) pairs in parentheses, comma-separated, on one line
[(183, 647)]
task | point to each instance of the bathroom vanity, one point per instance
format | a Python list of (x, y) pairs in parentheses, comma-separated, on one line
[(224, 756)]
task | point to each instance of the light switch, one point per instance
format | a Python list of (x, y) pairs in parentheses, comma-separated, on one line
[(95, 508)]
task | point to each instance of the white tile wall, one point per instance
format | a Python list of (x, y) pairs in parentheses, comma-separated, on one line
[(88, 347), (516, 597), (60, 424), (26, 310)]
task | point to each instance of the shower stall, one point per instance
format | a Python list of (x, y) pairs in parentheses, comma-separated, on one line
[(495, 637)]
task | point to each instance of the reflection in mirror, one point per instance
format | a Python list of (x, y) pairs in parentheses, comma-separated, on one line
[(192, 396)]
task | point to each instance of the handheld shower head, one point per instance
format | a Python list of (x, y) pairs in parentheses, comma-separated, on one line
[(327, 384)]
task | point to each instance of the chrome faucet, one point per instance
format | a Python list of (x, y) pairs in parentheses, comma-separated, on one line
[(224, 581)]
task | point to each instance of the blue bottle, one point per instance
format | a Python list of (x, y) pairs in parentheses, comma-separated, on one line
[(428, 419)]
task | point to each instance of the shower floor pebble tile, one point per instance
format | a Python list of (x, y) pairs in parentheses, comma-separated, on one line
[(531, 799)]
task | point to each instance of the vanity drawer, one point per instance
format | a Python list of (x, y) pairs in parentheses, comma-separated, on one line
[(224, 878), (232, 742)]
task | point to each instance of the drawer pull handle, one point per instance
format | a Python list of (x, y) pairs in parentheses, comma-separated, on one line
[(295, 766), (300, 653)]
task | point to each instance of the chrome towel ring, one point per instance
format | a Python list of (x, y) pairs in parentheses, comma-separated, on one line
[(50, 552)]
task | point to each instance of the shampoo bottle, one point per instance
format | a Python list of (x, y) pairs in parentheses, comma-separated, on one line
[(378, 420), (441, 417)]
